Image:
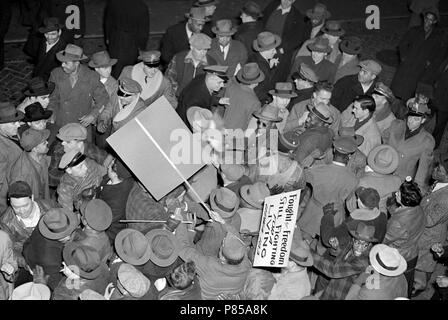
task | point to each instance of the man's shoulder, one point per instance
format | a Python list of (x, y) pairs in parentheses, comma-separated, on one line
[(175, 29)]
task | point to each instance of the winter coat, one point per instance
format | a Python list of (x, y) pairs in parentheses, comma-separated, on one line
[(247, 33), (237, 54), (346, 89), (47, 61), (349, 68), (174, 40), (9, 153), (325, 69)]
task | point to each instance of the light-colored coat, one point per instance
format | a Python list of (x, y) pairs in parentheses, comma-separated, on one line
[(9, 153), (349, 68)]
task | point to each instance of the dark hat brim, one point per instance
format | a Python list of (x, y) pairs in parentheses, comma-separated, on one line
[(53, 28), (276, 43), (224, 33), (62, 56), (311, 14), (336, 33), (215, 207), (47, 233), (153, 257), (352, 225), (47, 90), (126, 258), (259, 79), (343, 46), (312, 47), (69, 261), (43, 116), (205, 19), (18, 116), (283, 95), (206, 4), (257, 114), (319, 115), (111, 63)]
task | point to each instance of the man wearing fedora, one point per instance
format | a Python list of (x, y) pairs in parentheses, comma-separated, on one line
[(147, 73), (37, 118), (209, 8), (242, 98), (362, 83), (322, 93), (414, 145), (383, 114), (32, 165), (270, 62), (9, 147), (331, 183), (51, 44), (282, 94), (186, 65), (251, 25), (304, 80), (37, 91), (347, 63), (177, 37), (225, 50), (203, 91), (388, 265), (315, 20), (318, 59), (352, 261), (251, 205), (81, 173), (79, 95), (281, 17), (126, 31)]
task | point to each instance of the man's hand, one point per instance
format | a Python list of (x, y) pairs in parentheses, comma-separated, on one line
[(87, 120), (329, 209), (224, 101), (437, 248), (39, 275), (442, 281), (334, 243), (273, 62), (102, 126)]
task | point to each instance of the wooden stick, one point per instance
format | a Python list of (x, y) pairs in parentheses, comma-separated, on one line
[(150, 221)]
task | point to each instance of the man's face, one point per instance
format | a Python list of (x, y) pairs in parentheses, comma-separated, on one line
[(210, 10), (269, 54), (317, 21), (9, 129), (429, 20), (224, 40), (52, 36), (358, 111), (71, 145), (414, 122), (312, 121), (43, 100), (79, 171), (198, 54), (104, 72), (38, 125), (360, 246), (317, 56), (322, 96), (380, 101), (331, 39), (439, 173), (42, 148), (195, 25), (70, 66), (280, 102), (23, 207), (286, 3), (365, 76), (215, 83)]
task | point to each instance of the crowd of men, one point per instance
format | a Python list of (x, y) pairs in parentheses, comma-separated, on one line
[(371, 161)]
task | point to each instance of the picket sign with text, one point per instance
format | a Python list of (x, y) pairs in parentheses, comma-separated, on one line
[(276, 229)]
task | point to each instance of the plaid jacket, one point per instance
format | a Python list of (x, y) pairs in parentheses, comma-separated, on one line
[(342, 272)]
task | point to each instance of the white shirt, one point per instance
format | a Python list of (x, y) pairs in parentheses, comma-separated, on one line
[(49, 46), (284, 11), (225, 50), (315, 31), (33, 219), (365, 88), (189, 32)]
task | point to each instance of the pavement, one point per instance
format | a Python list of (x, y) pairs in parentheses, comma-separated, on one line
[(163, 13)]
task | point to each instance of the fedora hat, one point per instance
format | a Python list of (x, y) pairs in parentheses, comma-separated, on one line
[(266, 41), (32, 138), (333, 28), (350, 132), (205, 3), (250, 73), (268, 113), (35, 112), (252, 9), (86, 258), (283, 90), (163, 246), (383, 159), (322, 111), (319, 10), (8, 113), (31, 291), (344, 144), (101, 59), (50, 24), (58, 223), (351, 45), (387, 261), (361, 231), (98, 214), (305, 73), (288, 140), (71, 53), (38, 87), (254, 194), (132, 247), (224, 201), (197, 13), (320, 44), (224, 27), (300, 252), (199, 118)]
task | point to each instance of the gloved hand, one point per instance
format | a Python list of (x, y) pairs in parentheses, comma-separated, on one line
[(39, 275)]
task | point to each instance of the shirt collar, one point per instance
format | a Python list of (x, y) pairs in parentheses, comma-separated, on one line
[(189, 32), (283, 10)]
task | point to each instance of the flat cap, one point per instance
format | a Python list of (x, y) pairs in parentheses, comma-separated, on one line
[(200, 41), (371, 65), (345, 145), (72, 131)]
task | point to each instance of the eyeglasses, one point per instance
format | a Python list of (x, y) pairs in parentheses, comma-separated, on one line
[(123, 94)]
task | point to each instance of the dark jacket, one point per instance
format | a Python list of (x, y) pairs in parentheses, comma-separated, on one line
[(46, 61), (294, 29), (126, 27), (9, 153), (174, 41), (237, 54), (195, 94), (346, 89), (247, 33)]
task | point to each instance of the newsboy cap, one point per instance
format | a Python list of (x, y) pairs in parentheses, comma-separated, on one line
[(371, 65), (72, 131), (200, 41)]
